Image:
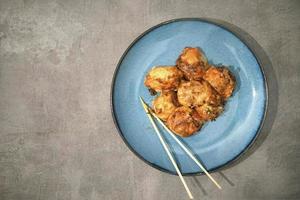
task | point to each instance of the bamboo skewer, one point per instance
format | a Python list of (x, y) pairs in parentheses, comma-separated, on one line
[(184, 147), (147, 110), (186, 150)]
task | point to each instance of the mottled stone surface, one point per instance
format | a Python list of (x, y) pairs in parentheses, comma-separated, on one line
[(57, 136)]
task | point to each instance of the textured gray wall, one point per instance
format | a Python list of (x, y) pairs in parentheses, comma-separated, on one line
[(57, 137)]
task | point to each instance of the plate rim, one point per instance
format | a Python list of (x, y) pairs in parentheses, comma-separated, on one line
[(228, 163)]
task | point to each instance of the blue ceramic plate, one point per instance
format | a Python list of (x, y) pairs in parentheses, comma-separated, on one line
[(217, 143)]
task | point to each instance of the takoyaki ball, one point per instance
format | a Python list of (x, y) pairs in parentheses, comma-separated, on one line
[(165, 104), (197, 93), (163, 78), (193, 63), (208, 112), (184, 121), (222, 80)]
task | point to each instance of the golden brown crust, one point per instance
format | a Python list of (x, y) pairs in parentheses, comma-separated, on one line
[(208, 112), (196, 93), (221, 79), (165, 104), (184, 121), (193, 63), (191, 92), (163, 78)]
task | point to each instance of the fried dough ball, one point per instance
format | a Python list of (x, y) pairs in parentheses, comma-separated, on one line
[(184, 121), (208, 112), (165, 104), (197, 93), (163, 78), (221, 79), (193, 63)]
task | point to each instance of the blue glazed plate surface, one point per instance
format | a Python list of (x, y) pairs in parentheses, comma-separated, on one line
[(217, 143)]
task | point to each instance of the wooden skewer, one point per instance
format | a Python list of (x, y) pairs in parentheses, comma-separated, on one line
[(185, 149), (147, 110)]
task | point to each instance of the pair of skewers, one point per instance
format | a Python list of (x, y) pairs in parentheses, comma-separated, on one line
[(150, 115)]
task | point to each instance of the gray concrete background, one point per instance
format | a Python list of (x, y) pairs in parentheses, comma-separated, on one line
[(57, 137)]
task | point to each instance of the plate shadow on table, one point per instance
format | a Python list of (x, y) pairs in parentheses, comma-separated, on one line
[(272, 92)]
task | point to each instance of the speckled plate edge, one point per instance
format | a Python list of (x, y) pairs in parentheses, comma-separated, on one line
[(230, 162)]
